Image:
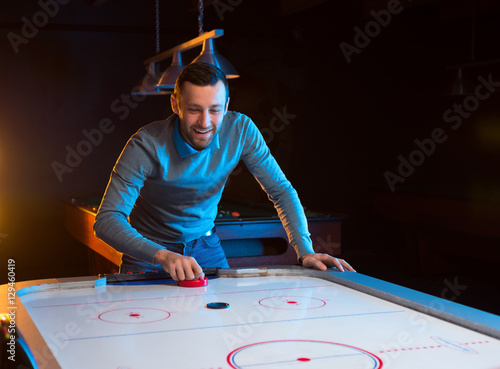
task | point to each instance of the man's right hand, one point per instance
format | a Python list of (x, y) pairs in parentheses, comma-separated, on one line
[(179, 267)]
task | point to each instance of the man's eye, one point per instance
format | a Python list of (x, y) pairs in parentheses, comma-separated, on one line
[(215, 111), (193, 110)]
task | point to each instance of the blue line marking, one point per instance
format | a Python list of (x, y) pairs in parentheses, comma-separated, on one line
[(293, 361), (234, 325)]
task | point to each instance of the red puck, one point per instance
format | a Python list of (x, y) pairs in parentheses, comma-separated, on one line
[(193, 283)]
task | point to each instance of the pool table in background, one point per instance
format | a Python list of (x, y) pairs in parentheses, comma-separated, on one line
[(251, 233)]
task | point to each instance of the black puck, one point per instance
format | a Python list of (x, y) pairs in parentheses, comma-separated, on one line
[(217, 305)]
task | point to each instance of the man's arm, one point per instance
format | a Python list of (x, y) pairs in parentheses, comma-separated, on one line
[(266, 170), (135, 164), (127, 178)]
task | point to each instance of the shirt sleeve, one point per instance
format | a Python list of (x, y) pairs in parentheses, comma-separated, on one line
[(260, 162), (135, 164)]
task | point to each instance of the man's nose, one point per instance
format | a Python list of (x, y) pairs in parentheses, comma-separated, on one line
[(205, 119)]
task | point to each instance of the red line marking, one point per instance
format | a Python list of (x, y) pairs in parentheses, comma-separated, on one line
[(429, 347), (177, 296)]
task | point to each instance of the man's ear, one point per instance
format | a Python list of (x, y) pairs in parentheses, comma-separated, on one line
[(227, 105), (174, 104)]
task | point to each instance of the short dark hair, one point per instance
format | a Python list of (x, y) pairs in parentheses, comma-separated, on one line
[(200, 74)]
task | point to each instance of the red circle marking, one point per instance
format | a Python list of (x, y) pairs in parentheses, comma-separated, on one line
[(230, 358), (305, 305), (104, 316)]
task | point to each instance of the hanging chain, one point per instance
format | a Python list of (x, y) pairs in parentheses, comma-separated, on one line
[(157, 15), (200, 17), (473, 35)]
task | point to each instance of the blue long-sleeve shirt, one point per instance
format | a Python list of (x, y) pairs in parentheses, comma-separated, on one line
[(162, 189)]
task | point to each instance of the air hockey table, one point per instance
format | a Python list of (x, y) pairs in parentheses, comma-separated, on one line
[(273, 317)]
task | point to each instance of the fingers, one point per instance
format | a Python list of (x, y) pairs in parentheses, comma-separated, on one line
[(342, 265), (313, 261), (324, 261), (316, 263), (200, 275), (186, 268), (182, 267), (345, 265)]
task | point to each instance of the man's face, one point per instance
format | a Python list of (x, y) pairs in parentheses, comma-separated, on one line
[(201, 110)]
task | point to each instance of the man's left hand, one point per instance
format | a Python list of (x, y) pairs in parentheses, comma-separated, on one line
[(325, 261)]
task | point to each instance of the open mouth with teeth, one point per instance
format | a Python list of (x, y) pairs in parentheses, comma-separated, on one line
[(202, 132)]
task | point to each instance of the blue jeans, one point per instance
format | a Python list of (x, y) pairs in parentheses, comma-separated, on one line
[(207, 251)]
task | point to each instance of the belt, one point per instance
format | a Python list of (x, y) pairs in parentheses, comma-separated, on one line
[(210, 232)]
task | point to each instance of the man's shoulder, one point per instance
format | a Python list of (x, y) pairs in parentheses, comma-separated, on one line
[(235, 116), (236, 119), (159, 129)]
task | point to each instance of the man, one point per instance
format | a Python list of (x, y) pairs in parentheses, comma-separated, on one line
[(161, 200)]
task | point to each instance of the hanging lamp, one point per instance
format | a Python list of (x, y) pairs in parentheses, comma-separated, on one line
[(209, 53), (166, 82), (168, 78)]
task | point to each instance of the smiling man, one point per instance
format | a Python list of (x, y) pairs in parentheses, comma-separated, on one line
[(161, 201), (201, 110)]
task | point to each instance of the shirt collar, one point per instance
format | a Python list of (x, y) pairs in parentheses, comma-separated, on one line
[(184, 149)]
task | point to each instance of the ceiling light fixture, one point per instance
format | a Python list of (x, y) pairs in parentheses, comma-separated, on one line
[(165, 84), (168, 78), (209, 53)]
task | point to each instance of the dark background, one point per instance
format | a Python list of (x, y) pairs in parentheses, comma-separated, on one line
[(348, 121)]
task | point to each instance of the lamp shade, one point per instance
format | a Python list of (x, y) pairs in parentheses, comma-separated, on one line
[(168, 78), (147, 85), (210, 55)]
